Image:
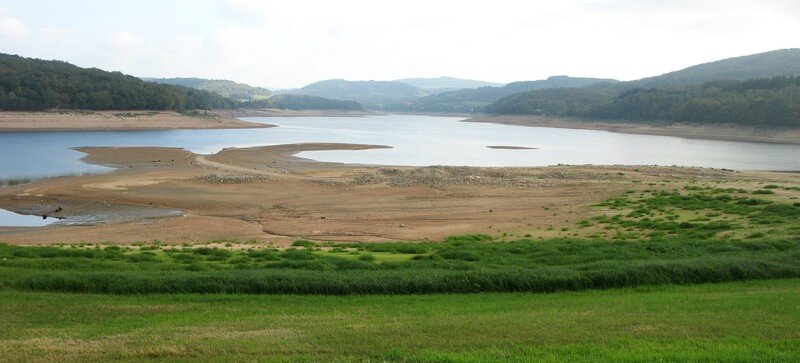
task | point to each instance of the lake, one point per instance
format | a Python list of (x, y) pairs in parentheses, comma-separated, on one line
[(416, 140)]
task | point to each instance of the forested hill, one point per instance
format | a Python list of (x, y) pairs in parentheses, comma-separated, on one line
[(226, 88), (305, 102), (754, 90), (371, 94), (755, 103), (474, 100), (34, 84), (784, 62)]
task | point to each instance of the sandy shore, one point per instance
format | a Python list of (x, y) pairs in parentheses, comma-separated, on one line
[(116, 120), (722, 132), (270, 196)]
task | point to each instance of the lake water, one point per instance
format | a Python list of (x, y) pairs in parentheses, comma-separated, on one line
[(416, 140), (11, 219)]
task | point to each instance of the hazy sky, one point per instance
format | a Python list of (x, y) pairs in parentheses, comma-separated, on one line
[(289, 43)]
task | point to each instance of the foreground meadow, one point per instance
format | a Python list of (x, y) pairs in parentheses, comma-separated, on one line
[(742, 321)]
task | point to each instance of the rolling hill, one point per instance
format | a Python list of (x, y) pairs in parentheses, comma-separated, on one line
[(475, 99), (305, 102), (760, 90), (371, 94), (225, 88), (35, 84), (784, 62), (445, 84)]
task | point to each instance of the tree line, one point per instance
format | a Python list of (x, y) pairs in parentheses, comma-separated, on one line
[(34, 85), (757, 102)]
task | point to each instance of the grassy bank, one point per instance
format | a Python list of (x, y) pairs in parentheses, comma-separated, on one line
[(460, 264), (745, 321), (699, 235)]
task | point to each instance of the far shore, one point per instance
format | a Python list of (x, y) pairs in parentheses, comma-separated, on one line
[(271, 112), (144, 120), (693, 131), (79, 120)]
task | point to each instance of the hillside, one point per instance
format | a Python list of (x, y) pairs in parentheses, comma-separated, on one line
[(445, 84), (35, 84), (784, 62), (371, 94), (474, 100), (756, 90), (225, 88), (304, 102), (753, 103)]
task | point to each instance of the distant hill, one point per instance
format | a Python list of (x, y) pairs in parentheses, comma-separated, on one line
[(35, 84), (371, 94), (474, 100), (305, 102), (230, 89), (784, 62), (445, 84), (554, 101), (760, 90)]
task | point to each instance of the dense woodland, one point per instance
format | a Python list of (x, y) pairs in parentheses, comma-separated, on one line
[(33, 84), (759, 102), (28, 84)]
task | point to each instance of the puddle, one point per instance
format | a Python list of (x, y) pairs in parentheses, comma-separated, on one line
[(12, 219), (100, 216)]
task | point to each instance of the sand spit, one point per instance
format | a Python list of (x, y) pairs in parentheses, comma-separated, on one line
[(117, 120)]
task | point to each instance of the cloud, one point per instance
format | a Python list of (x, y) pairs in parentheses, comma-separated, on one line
[(291, 43), (11, 26), (126, 40)]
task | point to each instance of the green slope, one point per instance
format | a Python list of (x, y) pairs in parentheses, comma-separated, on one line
[(35, 84), (226, 88), (784, 62)]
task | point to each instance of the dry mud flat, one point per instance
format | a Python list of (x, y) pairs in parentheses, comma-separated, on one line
[(267, 195), (117, 120)]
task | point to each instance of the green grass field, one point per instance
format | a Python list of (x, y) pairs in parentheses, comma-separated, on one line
[(703, 274), (743, 322)]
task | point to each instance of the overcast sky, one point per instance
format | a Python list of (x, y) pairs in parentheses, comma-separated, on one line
[(289, 43)]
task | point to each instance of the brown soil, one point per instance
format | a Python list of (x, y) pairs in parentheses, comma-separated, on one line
[(267, 195), (716, 132), (117, 120)]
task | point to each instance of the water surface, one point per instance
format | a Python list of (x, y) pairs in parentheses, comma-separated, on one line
[(415, 140), (12, 219)]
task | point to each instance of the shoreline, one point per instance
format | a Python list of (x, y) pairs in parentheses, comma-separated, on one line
[(74, 120), (271, 196), (689, 131), (271, 112)]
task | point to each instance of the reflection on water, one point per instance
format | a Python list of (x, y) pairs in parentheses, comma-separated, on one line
[(11, 219), (416, 140)]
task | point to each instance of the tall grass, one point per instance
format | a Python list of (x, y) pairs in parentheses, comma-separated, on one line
[(458, 265)]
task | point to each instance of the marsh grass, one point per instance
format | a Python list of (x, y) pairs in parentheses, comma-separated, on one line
[(459, 264), (658, 237)]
